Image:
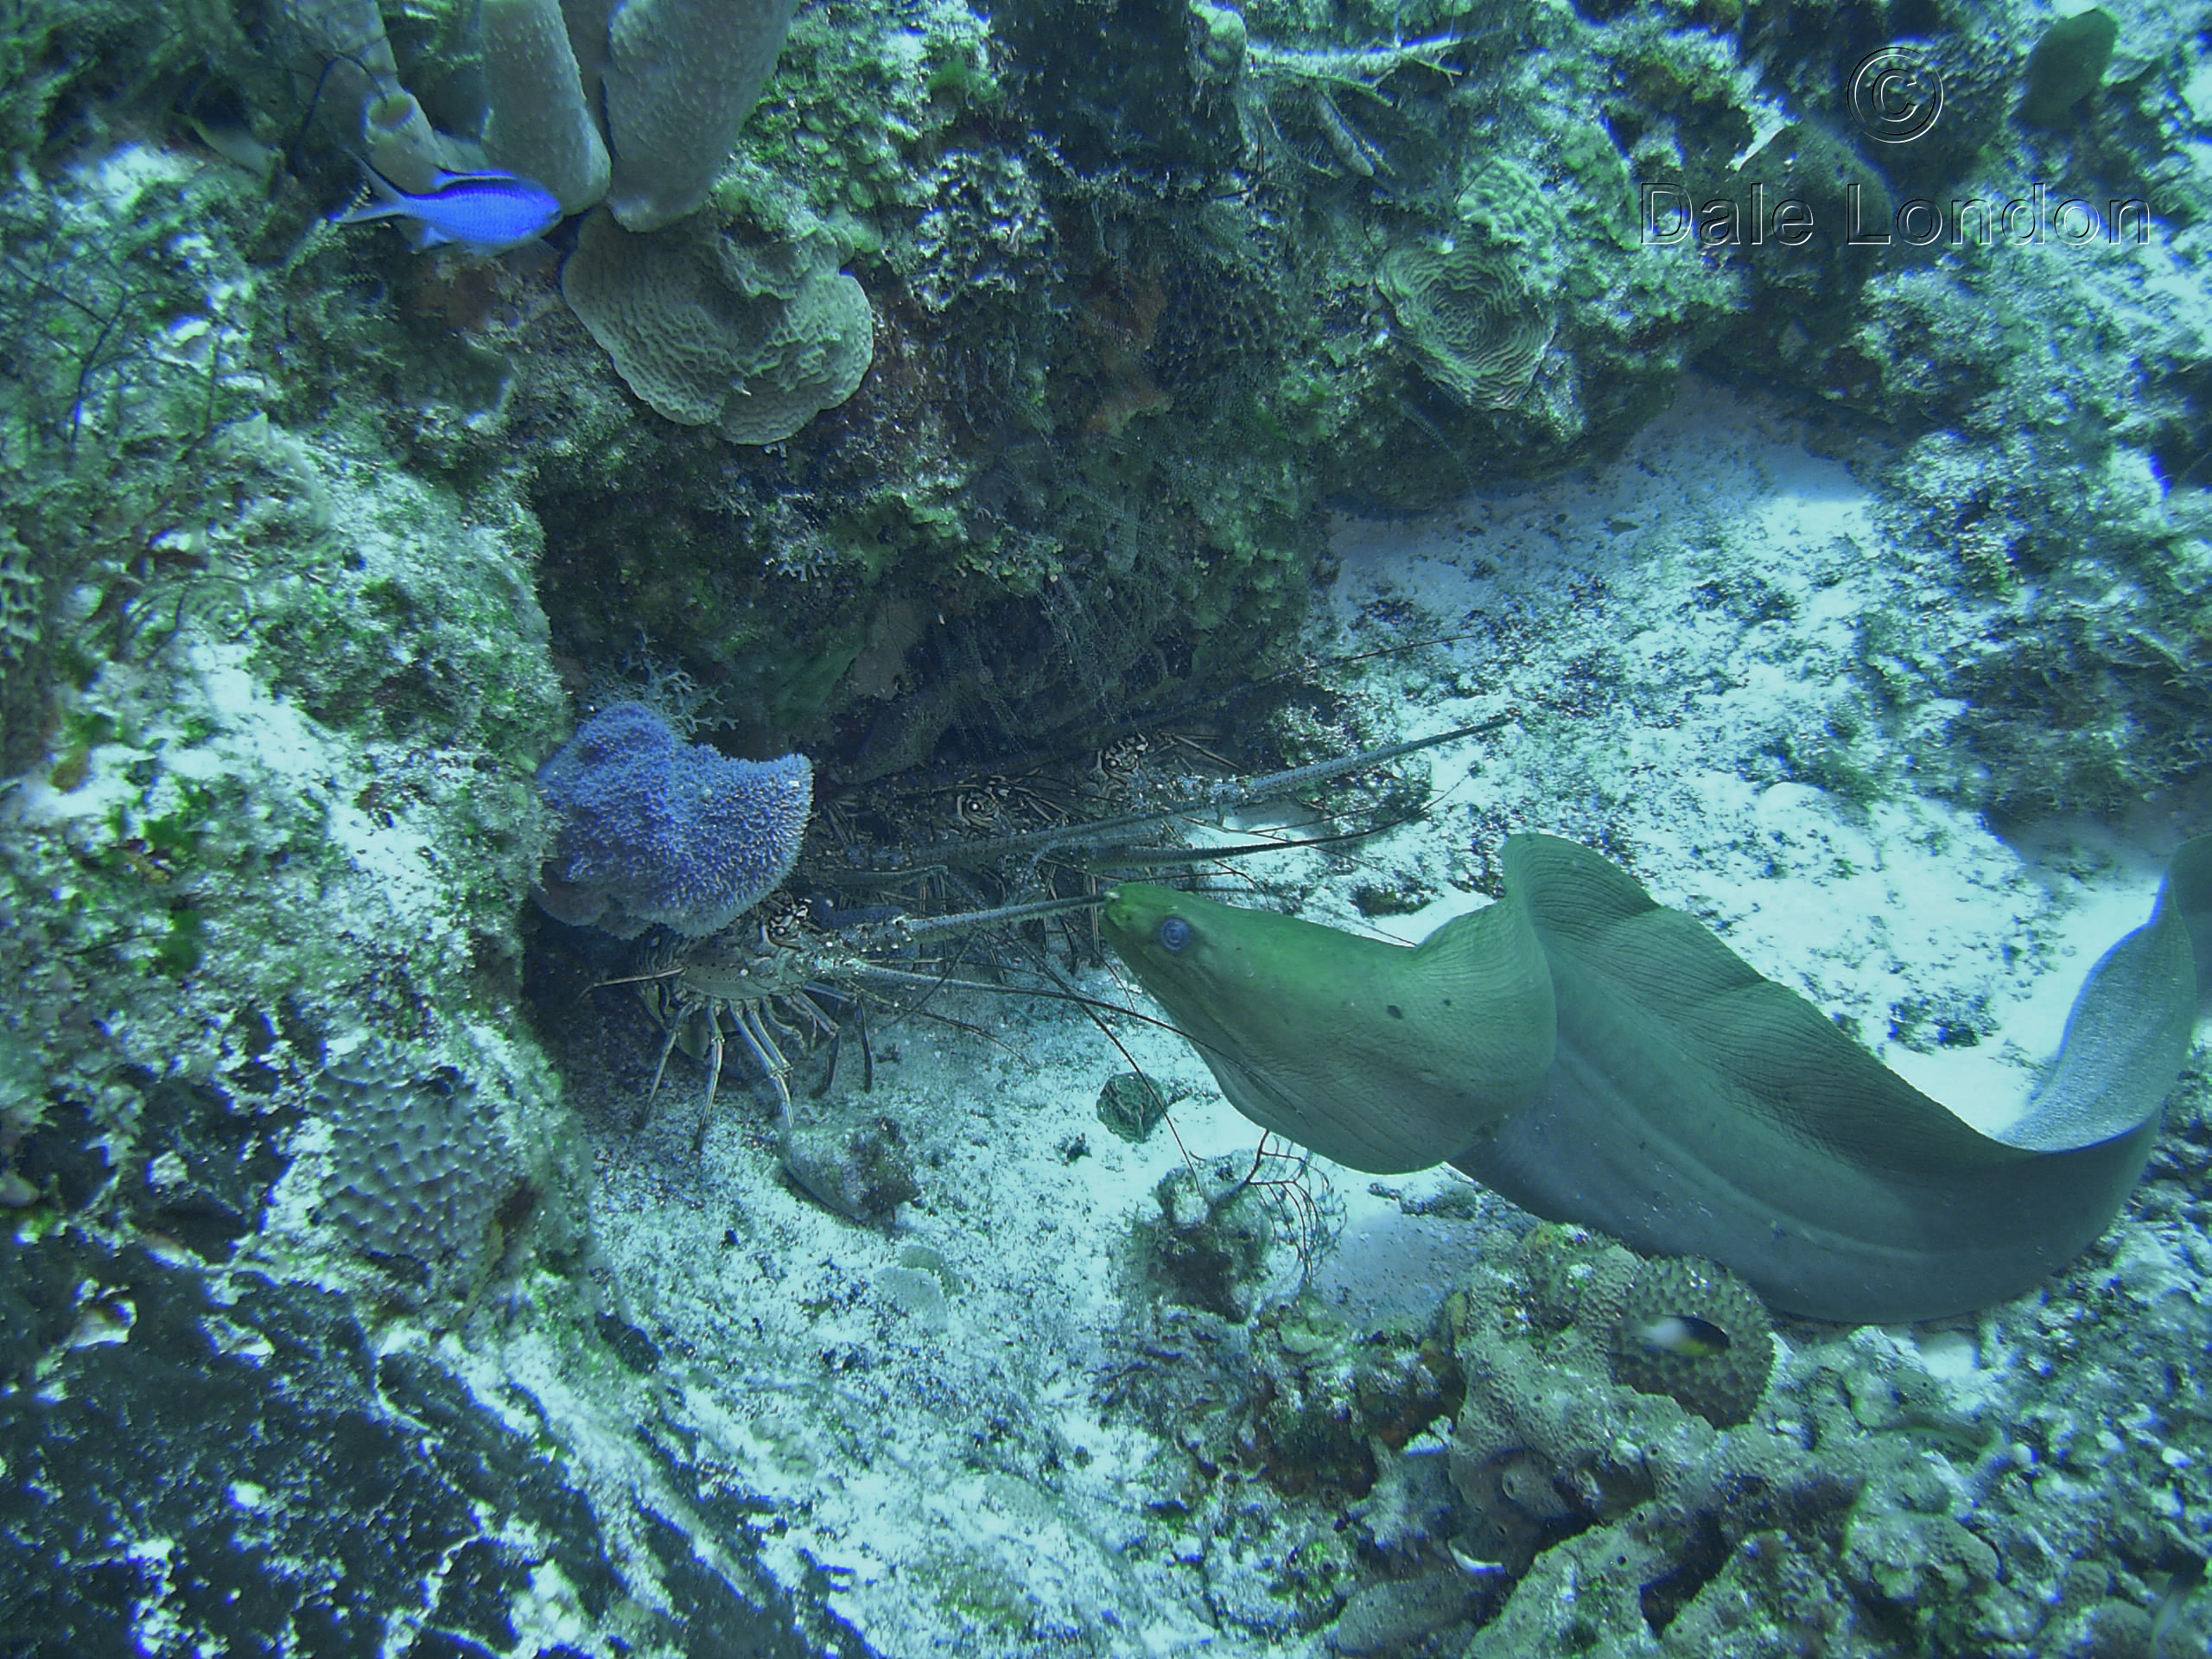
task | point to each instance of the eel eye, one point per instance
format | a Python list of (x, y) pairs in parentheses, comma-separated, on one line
[(1174, 934)]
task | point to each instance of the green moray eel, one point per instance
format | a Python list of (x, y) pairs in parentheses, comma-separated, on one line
[(1598, 1058)]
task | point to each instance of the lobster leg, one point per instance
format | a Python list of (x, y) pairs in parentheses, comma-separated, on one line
[(772, 1062), (637, 1121), (713, 1078)]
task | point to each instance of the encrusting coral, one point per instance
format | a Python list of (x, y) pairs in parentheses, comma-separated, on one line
[(656, 831), (639, 106), (753, 334)]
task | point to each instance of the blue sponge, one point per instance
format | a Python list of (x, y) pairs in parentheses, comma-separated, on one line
[(657, 829)]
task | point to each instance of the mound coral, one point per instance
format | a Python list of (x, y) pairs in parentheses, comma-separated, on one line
[(419, 1165), (654, 829)]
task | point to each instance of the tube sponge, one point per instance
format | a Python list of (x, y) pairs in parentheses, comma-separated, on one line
[(654, 829), (540, 125), (681, 76)]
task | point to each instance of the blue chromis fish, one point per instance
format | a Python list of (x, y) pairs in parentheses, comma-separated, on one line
[(490, 211)]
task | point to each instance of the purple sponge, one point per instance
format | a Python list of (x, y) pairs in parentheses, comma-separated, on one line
[(657, 829)]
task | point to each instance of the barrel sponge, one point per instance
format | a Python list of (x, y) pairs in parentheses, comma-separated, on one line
[(419, 1164), (540, 125), (754, 333), (654, 829), (680, 77), (1723, 1375)]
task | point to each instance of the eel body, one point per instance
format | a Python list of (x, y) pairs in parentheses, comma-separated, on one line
[(1598, 1058)]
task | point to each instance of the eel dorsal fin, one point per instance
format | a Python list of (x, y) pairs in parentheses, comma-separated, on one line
[(1698, 1107)]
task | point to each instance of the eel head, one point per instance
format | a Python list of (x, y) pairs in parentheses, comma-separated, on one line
[(1371, 1053)]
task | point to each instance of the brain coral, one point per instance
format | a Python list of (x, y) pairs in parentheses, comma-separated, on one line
[(1469, 320), (419, 1165), (654, 829), (755, 335), (1473, 305)]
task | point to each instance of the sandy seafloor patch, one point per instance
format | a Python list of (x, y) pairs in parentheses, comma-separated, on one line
[(1667, 623)]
